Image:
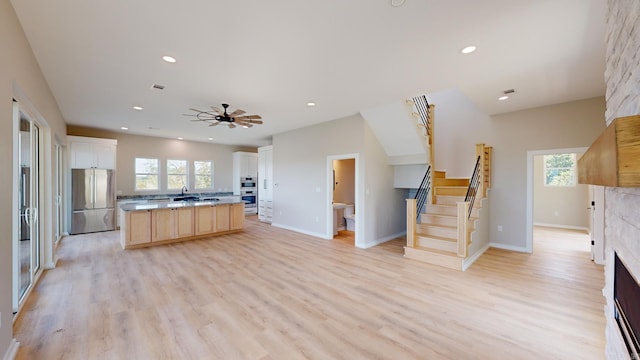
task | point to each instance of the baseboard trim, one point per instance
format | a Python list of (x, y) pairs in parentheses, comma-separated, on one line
[(568, 227), (12, 350), (291, 228), (509, 247), (384, 239), (470, 260)]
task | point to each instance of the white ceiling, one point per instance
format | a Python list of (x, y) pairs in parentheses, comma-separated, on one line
[(271, 57)]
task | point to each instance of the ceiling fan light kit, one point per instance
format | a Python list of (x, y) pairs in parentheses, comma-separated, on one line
[(215, 117)]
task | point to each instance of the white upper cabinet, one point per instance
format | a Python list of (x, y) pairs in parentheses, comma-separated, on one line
[(86, 153), (245, 164)]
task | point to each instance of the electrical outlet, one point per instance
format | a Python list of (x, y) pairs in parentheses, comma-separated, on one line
[(499, 227), (556, 213)]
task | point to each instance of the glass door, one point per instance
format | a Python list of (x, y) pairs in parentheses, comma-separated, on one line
[(27, 244)]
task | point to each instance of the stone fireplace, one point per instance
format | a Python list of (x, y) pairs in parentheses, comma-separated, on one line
[(622, 205)]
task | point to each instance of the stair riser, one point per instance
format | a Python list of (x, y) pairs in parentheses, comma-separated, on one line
[(437, 244), (438, 220), (450, 182), (426, 230), (439, 174), (448, 210), (448, 200), (451, 191)]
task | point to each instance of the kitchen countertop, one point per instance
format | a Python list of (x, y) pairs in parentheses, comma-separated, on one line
[(176, 204)]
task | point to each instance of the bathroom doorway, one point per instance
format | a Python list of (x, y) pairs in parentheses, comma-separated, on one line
[(342, 199)]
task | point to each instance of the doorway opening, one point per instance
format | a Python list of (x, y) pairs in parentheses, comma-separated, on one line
[(344, 214), (554, 198)]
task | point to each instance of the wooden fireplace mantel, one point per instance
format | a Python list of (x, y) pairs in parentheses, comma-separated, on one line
[(614, 158)]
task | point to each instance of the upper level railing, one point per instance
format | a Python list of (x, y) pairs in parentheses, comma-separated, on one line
[(425, 113), (423, 191)]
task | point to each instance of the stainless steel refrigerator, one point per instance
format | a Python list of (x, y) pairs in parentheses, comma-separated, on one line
[(93, 200)]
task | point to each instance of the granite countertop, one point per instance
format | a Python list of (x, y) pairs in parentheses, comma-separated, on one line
[(177, 204)]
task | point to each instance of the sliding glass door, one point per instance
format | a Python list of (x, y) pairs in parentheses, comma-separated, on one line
[(27, 243)]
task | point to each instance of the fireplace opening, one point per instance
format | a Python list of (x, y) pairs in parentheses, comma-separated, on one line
[(626, 294)]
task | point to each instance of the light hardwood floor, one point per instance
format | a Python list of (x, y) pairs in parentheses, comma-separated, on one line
[(268, 293)]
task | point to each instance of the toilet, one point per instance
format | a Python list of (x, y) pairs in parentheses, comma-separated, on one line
[(350, 217)]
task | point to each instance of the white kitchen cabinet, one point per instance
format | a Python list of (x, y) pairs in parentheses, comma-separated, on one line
[(245, 164), (265, 183), (87, 153)]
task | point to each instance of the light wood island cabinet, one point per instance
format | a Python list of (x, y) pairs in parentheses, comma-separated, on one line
[(148, 225), (236, 214), (171, 223), (136, 227)]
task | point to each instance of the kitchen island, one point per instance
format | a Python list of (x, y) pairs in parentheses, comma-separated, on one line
[(165, 222)]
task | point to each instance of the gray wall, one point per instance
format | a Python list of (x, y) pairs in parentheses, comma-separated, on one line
[(132, 146), (562, 206), (459, 125), (300, 177), (19, 73), (568, 125)]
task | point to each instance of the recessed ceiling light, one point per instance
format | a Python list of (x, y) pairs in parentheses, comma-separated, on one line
[(311, 104), (469, 49), (503, 97), (138, 108), (210, 139), (180, 138), (169, 59), (397, 2), (124, 128)]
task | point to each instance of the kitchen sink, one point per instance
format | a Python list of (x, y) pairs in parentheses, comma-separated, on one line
[(186, 198)]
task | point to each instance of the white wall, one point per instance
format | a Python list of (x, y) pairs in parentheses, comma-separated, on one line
[(562, 206), (19, 72), (300, 175), (132, 146)]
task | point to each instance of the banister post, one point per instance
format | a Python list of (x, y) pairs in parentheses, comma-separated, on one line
[(411, 222), (463, 231)]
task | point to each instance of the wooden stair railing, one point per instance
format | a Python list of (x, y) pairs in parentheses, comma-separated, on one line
[(419, 241), (425, 113)]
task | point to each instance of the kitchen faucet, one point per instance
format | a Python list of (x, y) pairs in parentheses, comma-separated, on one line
[(183, 190)]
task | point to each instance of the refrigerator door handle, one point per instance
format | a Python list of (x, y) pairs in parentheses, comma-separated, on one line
[(27, 216), (34, 213), (24, 190)]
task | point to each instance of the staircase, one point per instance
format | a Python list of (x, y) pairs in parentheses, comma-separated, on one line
[(442, 233)]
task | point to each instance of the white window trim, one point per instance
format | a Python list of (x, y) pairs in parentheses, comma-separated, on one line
[(195, 174), (135, 175), (187, 182)]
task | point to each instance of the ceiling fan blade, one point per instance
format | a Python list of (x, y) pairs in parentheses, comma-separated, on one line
[(249, 117), (246, 126), (237, 112), (217, 109), (231, 126), (196, 110), (215, 124), (255, 121)]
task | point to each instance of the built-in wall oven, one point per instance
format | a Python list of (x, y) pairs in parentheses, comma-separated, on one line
[(248, 193)]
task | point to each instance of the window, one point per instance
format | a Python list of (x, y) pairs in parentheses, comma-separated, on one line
[(176, 174), (203, 173), (146, 174), (560, 170)]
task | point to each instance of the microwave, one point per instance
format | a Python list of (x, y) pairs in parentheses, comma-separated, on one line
[(247, 182)]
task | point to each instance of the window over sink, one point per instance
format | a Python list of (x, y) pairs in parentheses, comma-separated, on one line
[(147, 173), (203, 175), (177, 174)]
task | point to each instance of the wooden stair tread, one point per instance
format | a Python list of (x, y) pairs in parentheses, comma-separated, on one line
[(435, 237)]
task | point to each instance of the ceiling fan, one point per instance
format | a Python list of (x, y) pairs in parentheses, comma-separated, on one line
[(216, 117)]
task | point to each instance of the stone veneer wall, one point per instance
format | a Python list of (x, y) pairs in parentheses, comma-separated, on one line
[(622, 210)]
